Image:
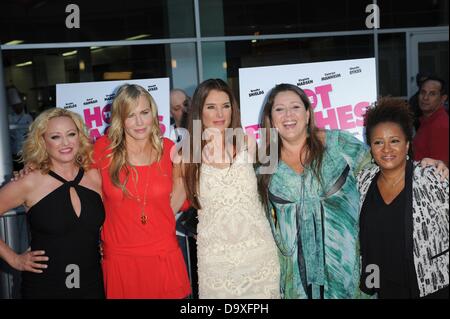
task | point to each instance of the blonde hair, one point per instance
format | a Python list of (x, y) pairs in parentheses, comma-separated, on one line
[(126, 99), (34, 151)]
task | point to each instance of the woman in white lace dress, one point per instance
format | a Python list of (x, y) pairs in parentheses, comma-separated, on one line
[(237, 256)]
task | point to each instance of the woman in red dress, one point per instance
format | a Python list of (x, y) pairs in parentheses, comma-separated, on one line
[(141, 256)]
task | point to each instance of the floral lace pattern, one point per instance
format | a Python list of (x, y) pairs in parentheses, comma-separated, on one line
[(237, 256)]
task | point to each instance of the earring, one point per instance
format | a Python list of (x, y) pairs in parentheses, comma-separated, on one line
[(79, 159), (372, 161), (407, 157)]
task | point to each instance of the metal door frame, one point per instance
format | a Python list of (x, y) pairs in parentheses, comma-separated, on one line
[(413, 39)]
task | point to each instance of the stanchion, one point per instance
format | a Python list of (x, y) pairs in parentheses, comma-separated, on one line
[(14, 231)]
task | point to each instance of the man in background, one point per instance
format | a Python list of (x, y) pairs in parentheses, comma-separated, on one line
[(179, 103), (185, 221), (19, 121), (432, 137), (414, 100)]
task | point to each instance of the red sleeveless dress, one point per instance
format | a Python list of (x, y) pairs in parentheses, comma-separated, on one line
[(140, 260)]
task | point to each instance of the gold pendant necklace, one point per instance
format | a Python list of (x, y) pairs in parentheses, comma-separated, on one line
[(143, 203), (143, 218)]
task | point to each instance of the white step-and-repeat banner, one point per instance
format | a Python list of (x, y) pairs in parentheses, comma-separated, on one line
[(93, 100), (339, 91)]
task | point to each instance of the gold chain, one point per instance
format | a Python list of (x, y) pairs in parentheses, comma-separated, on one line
[(144, 217), (396, 182)]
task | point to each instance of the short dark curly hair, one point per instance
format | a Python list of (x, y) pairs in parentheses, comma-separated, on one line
[(394, 110)]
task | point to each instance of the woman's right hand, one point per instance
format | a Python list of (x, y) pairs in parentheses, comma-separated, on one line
[(30, 261), (22, 173)]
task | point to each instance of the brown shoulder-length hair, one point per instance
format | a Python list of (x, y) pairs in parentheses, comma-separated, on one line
[(127, 97), (34, 151), (313, 149), (191, 169)]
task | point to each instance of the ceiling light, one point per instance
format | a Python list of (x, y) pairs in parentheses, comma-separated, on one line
[(24, 64), (14, 42), (69, 53), (137, 37)]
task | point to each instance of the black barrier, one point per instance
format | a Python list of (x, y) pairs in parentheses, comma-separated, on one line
[(14, 231)]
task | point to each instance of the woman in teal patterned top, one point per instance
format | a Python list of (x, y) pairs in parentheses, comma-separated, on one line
[(312, 200)]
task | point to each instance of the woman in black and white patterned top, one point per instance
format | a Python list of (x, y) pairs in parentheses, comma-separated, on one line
[(404, 222)]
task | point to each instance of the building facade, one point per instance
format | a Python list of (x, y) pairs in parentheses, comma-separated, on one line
[(45, 42)]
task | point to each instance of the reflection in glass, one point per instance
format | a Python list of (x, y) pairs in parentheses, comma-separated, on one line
[(250, 17), (405, 13), (392, 64), (433, 58), (242, 54), (36, 72), (100, 20)]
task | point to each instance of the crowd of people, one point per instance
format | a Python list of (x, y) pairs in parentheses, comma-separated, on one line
[(332, 207)]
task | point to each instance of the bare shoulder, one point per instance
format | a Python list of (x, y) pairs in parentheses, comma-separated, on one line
[(93, 174), (30, 182), (93, 179), (20, 192)]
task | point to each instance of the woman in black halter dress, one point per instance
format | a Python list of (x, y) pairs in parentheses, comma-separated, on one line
[(71, 243), (65, 214)]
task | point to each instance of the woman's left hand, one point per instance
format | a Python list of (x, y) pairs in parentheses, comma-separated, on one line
[(440, 167)]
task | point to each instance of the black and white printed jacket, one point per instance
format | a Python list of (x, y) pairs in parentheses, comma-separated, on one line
[(429, 224)]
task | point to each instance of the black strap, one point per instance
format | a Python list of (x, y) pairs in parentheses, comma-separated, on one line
[(278, 200), (75, 182), (339, 183), (440, 254)]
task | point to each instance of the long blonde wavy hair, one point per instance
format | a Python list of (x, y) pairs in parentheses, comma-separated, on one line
[(127, 97), (34, 151)]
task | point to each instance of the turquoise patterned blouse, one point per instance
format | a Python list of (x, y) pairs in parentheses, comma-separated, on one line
[(315, 224)]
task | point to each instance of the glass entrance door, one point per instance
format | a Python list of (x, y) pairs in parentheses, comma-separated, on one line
[(428, 54)]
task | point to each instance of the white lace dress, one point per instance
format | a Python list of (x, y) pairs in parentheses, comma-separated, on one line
[(237, 256)]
